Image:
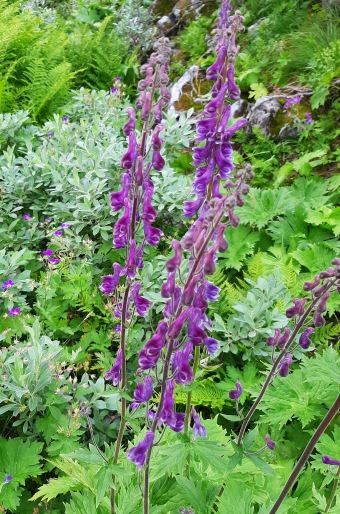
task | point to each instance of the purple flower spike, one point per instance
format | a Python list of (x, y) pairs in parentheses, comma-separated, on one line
[(269, 443), (114, 373), (110, 282), (304, 341), (199, 429), (8, 479), (234, 394), (138, 454), (142, 304), (330, 461), (58, 233), (47, 253), (15, 311), (26, 217), (143, 392), (7, 284)]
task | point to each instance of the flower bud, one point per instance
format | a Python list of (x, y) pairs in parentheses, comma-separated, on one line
[(175, 261), (304, 341), (269, 443), (318, 320), (282, 340), (234, 394), (322, 307), (308, 286)]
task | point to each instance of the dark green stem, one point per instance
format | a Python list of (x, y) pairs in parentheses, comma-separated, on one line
[(335, 486)]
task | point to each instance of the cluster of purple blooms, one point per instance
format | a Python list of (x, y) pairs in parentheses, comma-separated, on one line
[(185, 324), (294, 101)]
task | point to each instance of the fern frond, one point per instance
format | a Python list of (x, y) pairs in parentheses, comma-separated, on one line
[(327, 334)]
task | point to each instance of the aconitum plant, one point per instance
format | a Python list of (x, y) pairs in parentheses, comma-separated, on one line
[(182, 336)]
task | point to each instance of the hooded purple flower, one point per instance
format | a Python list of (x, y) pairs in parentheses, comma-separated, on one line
[(142, 304), (114, 373), (26, 217), (330, 461), (143, 392), (234, 394), (138, 454), (180, 366), (149, 213), (212, 346), (175, 420), (304, 340), (152, 234), (65, 225), (199, 429), (131, 263), (175, 261), (128, 159), (167, 289), (8, 479), (131, 124), (190, 208), (298, 308), (110, 282), (121, 226), (117, 199), (269, 443), (150, 354), (58, 233), (284, 366), (47, 253), (177, 325), (282, 340), (54, 260)]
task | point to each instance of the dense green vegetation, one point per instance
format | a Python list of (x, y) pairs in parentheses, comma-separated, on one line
[(61, 143)]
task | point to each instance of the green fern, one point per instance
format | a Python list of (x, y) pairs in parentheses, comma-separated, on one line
[(328, 334), (205, 392)]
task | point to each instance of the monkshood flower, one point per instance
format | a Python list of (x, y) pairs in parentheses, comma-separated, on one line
[(180, 365), (58, 233), (331, 462), (234, 394), (269, 443), (143, 392), (114, 373), (65, 119), (142, 305), (8, 479), (309, 118), (47, 253), (110, 282), (54, 260), (284, 365), (65, 225), (7, 284), (138, 454), (151, 352), (50, 134), (199, 429), (26, 217), (15, 311), (304, 340)]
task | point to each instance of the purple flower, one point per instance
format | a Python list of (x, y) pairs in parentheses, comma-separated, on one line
[(269, 443), (118, 79), (142, 304), (118, 329), (26, 217), (117, 199), (330, 461), (48, 220), (199, 429), (175, 261), (143, 392), (152, 234), (15, 311), (58, 233), (304, 340), (54, 260), (65, 119), (131, 263), (282, 340), (50, 134), (47, 253), (272, 341), (284, 366), (114, 373), (138, 454), (309, 118), (298, 308), (7, 284), (8, 479), (180, 366), (177, 325), (113, 90), (212, 346), (65, 225), (175, 420), (110, 282), (131, 124), (121, 226), (150, 354), (234, 394)]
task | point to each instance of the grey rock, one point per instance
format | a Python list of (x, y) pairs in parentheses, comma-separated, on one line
[(263, 114)]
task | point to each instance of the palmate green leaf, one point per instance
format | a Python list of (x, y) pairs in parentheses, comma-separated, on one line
[(241, 244), (56, 486), (261, 206), (200, 495), (84, 502), (324, 368), (315, 257), (235, 498), (326, 215), (327, 445), (294, 397), (261, 464)]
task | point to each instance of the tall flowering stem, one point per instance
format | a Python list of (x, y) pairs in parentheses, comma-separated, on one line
[(300, 314), (185, 325), (134, 229)]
